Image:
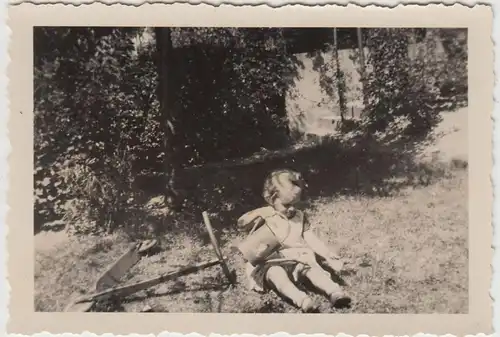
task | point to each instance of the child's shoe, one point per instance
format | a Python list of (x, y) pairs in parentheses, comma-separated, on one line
[(340, 300), (309, 305)]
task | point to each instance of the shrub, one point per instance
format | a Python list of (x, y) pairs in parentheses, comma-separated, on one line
[(398, 85), (99, 193)]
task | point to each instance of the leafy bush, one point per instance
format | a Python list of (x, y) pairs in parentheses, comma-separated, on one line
[(97, 115), (397, 85), (98, 199), (85, 115), (231, 89), (96, 98), (453, 76)]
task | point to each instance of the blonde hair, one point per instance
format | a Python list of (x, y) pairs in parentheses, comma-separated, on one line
[(284, 186)]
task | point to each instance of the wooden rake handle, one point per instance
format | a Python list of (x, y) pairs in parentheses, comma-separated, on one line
[(217, 249), (127, 290)]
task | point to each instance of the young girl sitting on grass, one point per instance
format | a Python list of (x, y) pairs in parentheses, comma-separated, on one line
[(292, 259)]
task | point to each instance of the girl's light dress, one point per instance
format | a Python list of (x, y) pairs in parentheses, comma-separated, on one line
[(294, 255)]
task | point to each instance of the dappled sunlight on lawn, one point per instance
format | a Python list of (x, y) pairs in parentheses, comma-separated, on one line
[(409, 250)]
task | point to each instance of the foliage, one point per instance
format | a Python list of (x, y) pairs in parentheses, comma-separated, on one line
[(453, 75), (396, 85), (96, 97), (410, 75), (100, 199), (86, 114), (232, 89), (332, 78), (98, 127)]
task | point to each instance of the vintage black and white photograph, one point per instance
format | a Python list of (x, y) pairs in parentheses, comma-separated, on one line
[(251, 170)]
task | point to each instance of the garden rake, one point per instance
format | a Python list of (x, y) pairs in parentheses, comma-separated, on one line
[(107, 286)]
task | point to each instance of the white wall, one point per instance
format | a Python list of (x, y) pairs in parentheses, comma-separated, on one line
[(307, 103)]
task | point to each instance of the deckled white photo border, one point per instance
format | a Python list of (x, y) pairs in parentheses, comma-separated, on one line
[(5, 148), (4, 151)]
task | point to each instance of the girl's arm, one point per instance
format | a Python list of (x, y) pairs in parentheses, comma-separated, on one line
[(316, 244), (319, 246)]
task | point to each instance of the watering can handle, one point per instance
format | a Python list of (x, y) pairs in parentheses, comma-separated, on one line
[(259, 222)]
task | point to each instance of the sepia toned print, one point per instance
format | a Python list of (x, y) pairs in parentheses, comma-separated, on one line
[(150, 127), (270, 169)]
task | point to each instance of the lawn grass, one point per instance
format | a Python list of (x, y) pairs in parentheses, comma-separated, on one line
[(403, 224), (409, 248)]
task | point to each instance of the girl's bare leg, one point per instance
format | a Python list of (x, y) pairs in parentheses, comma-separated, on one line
[(279, 279), (322, 280)]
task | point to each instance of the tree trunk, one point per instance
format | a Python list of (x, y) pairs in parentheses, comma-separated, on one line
[(166, 96)]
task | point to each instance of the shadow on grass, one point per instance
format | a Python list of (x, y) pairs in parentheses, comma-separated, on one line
[(117, 304), (361, 167), (177, 290), (332, 169)]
